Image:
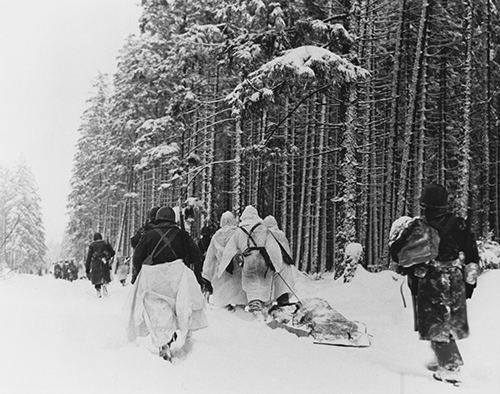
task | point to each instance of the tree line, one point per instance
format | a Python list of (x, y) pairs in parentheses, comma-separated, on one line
[(329, 115), (22, 234)]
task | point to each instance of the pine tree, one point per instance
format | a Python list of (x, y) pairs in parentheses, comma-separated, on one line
[(23, 234)]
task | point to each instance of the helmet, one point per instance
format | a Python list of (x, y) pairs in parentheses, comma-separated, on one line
[(434, 196)]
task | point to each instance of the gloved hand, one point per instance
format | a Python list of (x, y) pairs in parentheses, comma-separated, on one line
[(230, 267), (471, 272), (206, 286)]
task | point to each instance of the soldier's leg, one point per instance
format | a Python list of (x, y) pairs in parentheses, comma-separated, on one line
[(98, 290), (447, 354)]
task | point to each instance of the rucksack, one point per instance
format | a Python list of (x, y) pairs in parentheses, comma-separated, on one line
[(421, 244), (261, 249)]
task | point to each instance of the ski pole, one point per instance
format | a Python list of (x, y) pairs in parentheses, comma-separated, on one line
[(287, 285)]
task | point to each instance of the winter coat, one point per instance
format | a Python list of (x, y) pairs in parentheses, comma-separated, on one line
[(285, 281), (257, 274), (165, 299), (227, 287), (97, 265), (176, 245), (271, 223), (438, 287)]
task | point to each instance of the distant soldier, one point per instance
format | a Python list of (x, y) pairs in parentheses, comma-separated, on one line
[(57, 270), (150, 222), (206, 233), (122, 269), (73, 270), (65, 270), (97, 266)]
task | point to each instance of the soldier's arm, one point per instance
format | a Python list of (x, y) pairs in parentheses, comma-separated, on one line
[(194, 255), (111, 251), (471, 253), (140, 254), (89, 259), (134, 241)]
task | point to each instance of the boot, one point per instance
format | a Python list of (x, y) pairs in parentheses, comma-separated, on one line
[(432, 365), (448, 375), (254, 306), (105, 290), (99, 294), (166, 351), (283, 299)]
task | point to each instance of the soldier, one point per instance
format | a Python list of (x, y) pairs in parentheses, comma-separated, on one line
[(57, 270), (441, 286), (147, 226), (256, 251), (226, 287), (284, 281), (97, 265), (122, 269), (167, 301)]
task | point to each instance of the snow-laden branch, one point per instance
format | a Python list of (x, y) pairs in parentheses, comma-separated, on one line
[(296, 67), (160, 152)]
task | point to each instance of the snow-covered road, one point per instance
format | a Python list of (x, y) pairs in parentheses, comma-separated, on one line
[(57, 337)]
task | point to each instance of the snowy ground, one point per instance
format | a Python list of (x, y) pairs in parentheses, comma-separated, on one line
[(57, 337)]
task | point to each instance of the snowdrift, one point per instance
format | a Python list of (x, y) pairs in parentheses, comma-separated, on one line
[(56, 337)]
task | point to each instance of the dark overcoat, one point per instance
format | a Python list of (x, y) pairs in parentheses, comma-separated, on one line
[(438, 287), (97, 265), (176, 245)]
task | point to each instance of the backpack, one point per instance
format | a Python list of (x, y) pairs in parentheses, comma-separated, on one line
[(261, 249), (421, 244)]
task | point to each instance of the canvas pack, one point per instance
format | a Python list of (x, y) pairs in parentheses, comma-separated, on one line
[(422, 244)]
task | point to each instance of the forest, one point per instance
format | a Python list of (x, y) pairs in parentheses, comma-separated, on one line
[(329, 115)]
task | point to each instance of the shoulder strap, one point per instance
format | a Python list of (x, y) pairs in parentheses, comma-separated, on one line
[(163, 236), (166, 244), (249, 234), (285, 254)]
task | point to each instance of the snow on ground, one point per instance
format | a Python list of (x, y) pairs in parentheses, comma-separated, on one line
[(57, 337)]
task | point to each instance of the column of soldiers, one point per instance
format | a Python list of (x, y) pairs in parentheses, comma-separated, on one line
[(246, 264), (66, 269)]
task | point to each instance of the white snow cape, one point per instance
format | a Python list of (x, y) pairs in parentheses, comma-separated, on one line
[(166, 298), (256, 282), (227, 287)]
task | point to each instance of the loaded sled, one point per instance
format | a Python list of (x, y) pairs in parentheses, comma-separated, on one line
[(312, 317)]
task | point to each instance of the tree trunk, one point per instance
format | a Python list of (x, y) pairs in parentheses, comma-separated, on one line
[(464, 180), (419, 165), (348, 226), (237, 168), (302, 196), (319, 186), (410, 115), (393, 122), (485, 182)]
